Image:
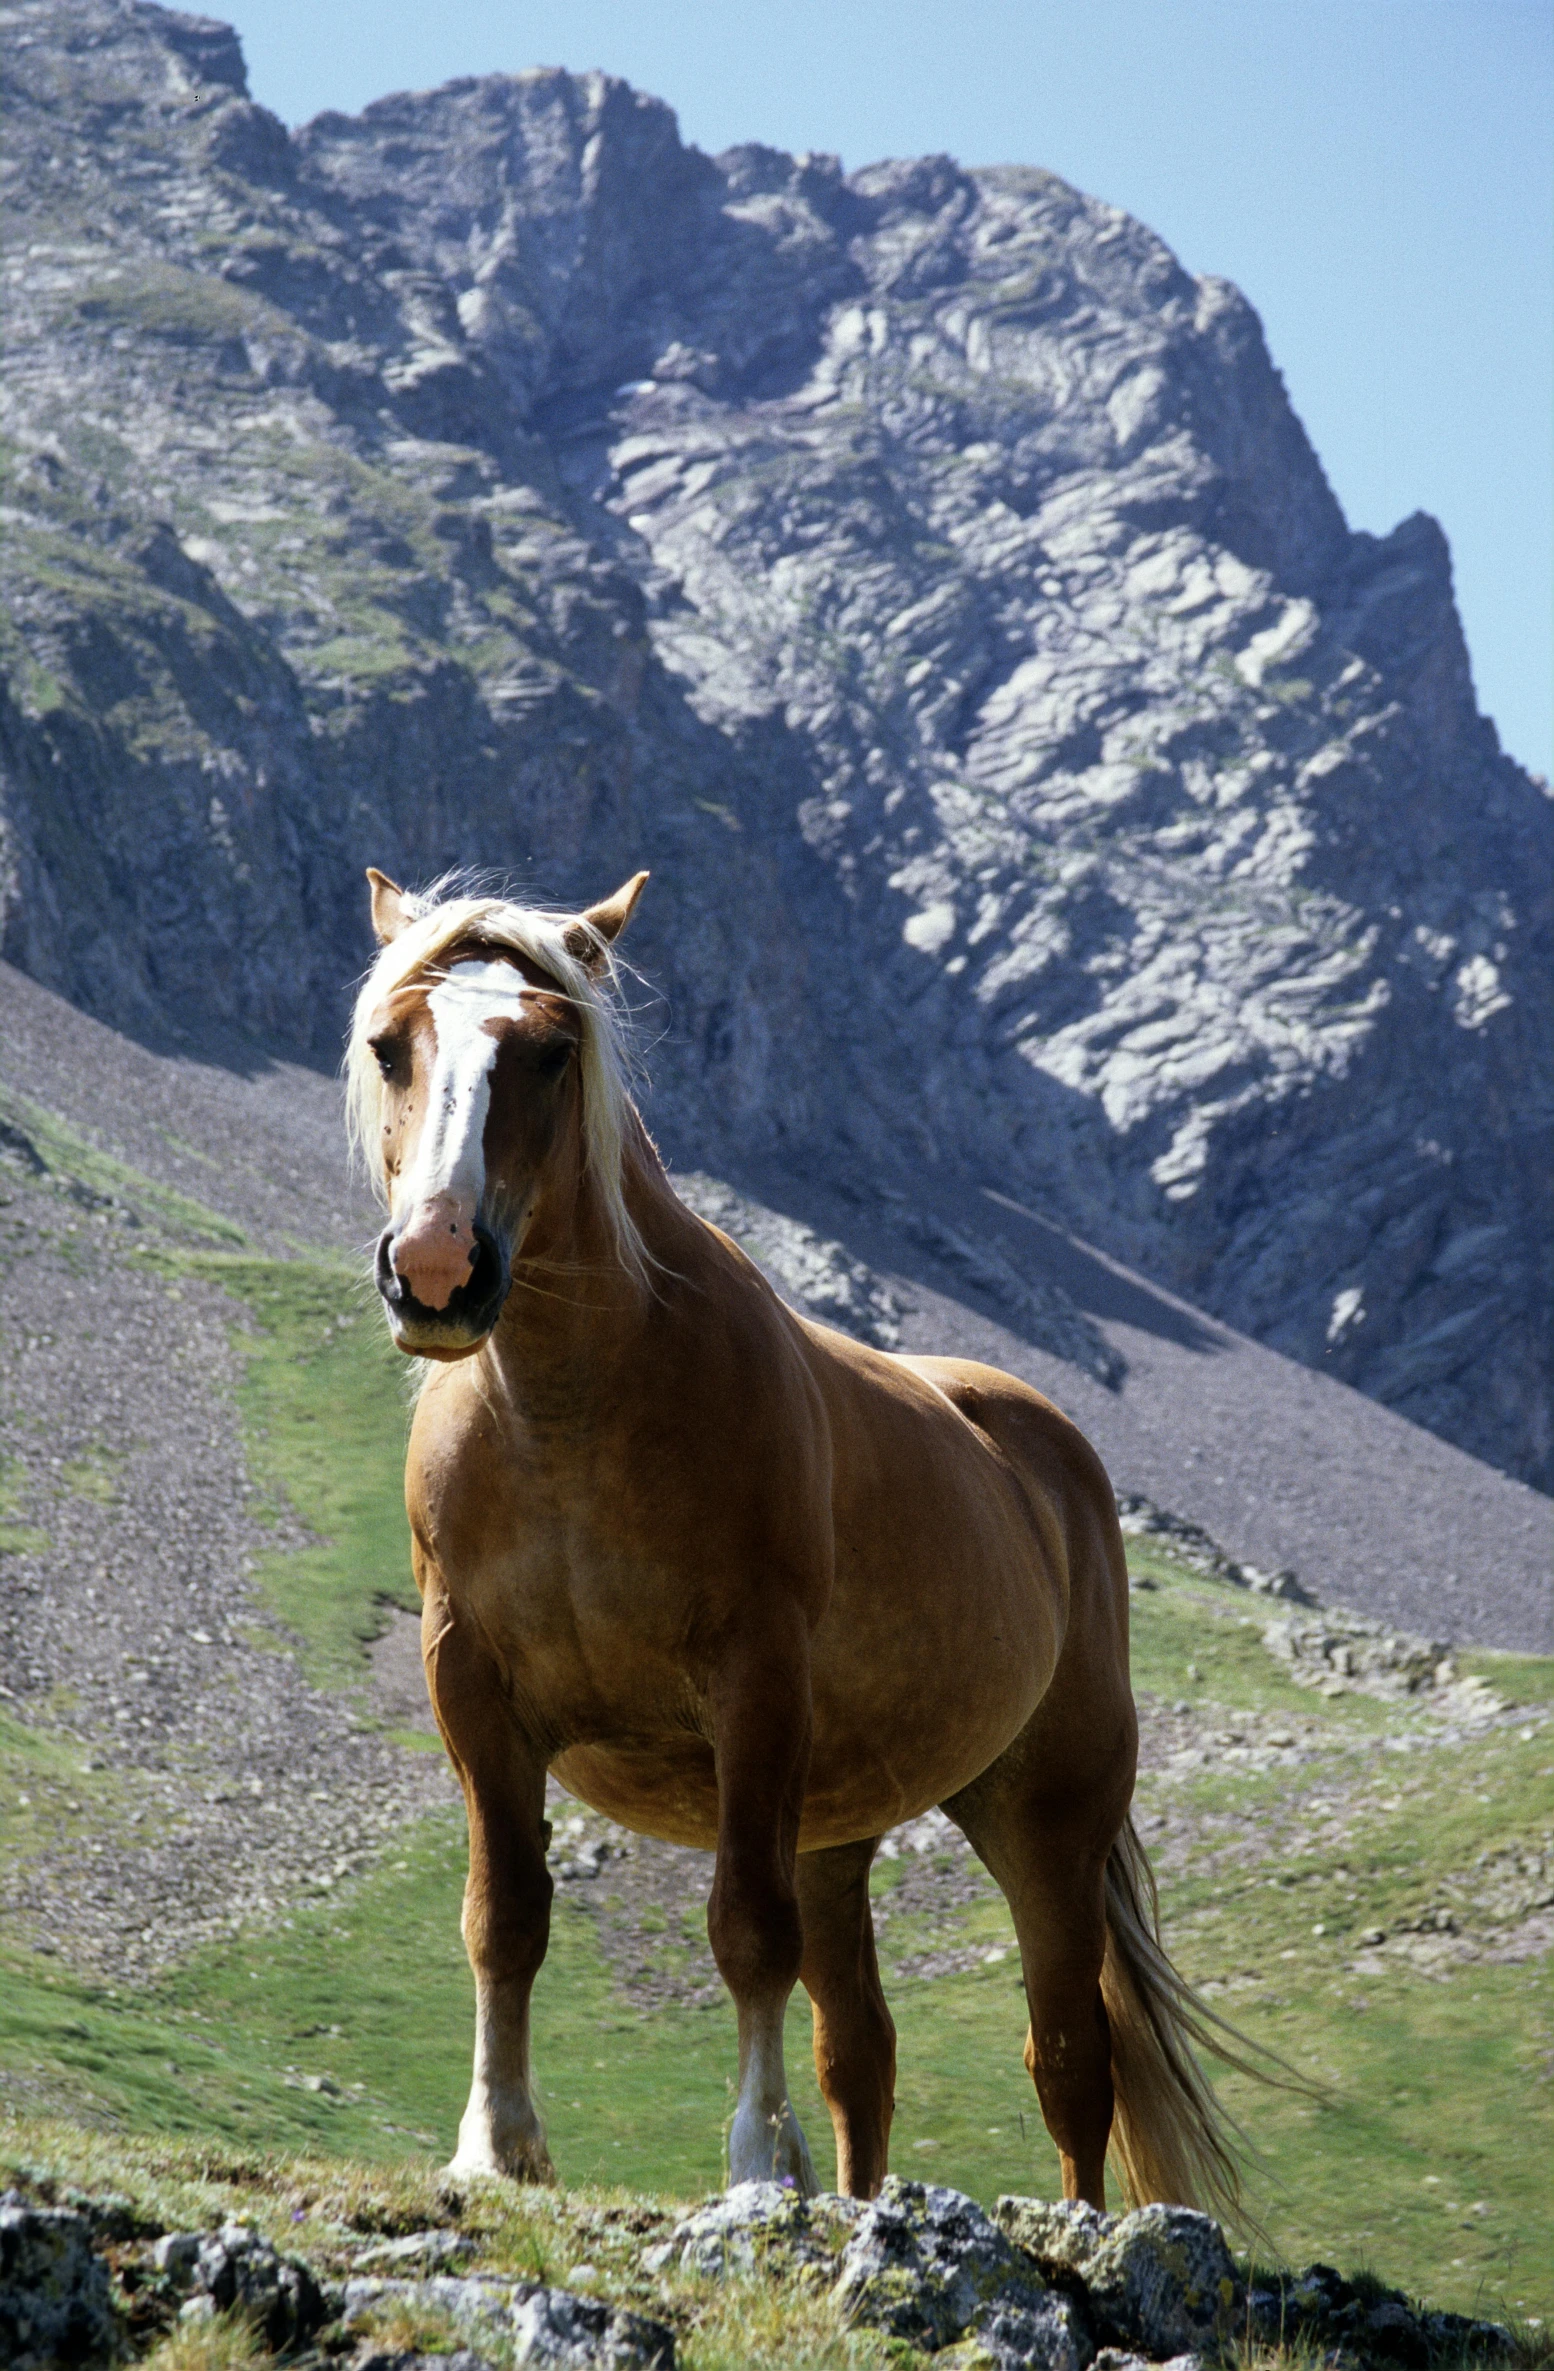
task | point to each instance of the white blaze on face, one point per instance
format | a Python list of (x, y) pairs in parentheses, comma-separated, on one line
[(440, 1196)]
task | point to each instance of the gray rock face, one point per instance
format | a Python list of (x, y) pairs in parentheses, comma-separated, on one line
[(927, 2265), (1160, 2280), (237, 2270), (917, 568), (55, 2304), (522, 2321), (1163, 2280), (757, 2224)]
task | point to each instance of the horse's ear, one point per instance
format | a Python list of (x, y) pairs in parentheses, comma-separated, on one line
[(390, 908), (605, 921)]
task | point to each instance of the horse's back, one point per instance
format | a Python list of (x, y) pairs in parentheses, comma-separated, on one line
[(1045, 1447)]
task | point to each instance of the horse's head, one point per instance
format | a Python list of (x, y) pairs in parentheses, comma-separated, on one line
[(481, 1056)]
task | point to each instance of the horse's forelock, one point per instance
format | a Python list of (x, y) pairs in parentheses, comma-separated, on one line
[(424, 949)]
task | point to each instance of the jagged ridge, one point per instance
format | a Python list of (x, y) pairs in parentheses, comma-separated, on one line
[(917, 568)]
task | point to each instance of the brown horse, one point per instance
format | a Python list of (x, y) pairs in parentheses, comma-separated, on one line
[(739, 1581)]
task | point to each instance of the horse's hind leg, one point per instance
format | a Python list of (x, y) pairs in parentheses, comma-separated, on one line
[(506, 1896), (855, 2040), (1051, 1867)]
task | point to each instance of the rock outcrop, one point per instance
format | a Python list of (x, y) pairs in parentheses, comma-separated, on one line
[(55, 2302), (916, 567), (1062, 2287)]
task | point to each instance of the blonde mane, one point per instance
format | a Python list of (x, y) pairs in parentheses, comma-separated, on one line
[(439, 924)]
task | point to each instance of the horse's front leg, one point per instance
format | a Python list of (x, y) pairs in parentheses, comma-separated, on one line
[(506, 1895), (760, 1705)]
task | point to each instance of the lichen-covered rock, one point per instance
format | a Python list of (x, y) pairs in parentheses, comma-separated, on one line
[(177, 2254), (557, 2327), (1116, 2358), (926, 2264), (237, 2270), (375, 2358), (1162, 2279), (55, 2303), (757, 2224), (1459, 2334), (477, 2305), (1053, 2334), (417, 2249), (1319, 2307), (524, 2322), (1061, 2236)]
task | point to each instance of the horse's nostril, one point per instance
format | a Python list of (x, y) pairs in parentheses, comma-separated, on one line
[(385, 1275), (488, 1270)]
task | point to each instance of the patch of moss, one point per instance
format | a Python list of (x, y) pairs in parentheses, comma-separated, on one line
[(190, 308), (100, 1180), (93, 1475), (325, 1410), (17, 1538)]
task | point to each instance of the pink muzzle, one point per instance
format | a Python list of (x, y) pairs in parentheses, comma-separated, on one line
[(434, 1251)]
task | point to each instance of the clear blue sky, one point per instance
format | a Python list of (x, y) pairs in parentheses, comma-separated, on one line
[(1377, 175)]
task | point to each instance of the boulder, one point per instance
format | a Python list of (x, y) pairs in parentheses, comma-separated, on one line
[(928, 2265), (1053, 2334), (1162, 2280), (1117, 2358), (1062, 2237), (416, 2249), (556, 2326), (756, 2223), (373, 2358), (238, 2271), (1319, 2307), (522, 2321), (55, 2303), (177, 2254)]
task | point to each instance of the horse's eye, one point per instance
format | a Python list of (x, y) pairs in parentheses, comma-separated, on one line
[(387, 1053), (552, 1061)]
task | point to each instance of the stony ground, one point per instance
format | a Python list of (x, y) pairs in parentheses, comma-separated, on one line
[(298, 2255), (129, 1622)]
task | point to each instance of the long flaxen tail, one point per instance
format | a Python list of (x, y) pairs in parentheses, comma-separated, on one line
[(1171, 2140)]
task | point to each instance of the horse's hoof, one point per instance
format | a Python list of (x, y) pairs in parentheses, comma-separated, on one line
[(529, 2165), (771, 2149)]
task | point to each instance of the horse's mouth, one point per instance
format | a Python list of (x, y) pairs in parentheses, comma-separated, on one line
[(463, 1324)]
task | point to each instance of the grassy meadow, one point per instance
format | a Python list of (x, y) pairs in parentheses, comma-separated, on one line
[(1422, 2153)]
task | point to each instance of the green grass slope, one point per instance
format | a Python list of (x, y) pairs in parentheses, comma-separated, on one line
[(1423, 2153)]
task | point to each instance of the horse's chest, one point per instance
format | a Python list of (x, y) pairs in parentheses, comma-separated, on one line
[(579, 1619)]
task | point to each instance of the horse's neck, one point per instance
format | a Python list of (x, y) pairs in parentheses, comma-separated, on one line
[(576, 1307)]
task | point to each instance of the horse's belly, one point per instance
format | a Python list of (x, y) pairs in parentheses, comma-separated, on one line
[(908, 1709), (671, 1791), (665, 1787), (897, 1733)]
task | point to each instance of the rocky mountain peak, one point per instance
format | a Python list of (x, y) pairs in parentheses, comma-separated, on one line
[(922, 572)]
